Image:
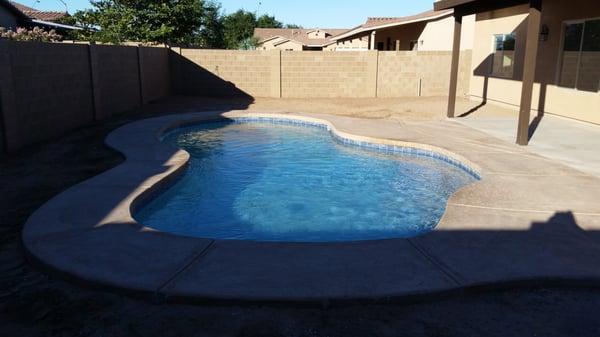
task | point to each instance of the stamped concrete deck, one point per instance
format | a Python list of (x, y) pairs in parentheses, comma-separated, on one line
[(530, 219)]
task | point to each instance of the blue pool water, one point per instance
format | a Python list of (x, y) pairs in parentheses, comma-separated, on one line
[(273, 182)]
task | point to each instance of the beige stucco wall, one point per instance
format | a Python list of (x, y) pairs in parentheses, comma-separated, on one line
[(355, 43), (317, 34), (557, 100), (435, 35), (405, 34), (275, 44), (439, 34)]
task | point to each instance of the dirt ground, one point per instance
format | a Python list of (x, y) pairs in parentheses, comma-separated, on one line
[(34, 304), (417, 108)]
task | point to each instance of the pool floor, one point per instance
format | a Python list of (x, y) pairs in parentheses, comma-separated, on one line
[(251, 180)]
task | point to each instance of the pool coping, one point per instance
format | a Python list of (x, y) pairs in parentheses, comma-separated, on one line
[(108, 248)]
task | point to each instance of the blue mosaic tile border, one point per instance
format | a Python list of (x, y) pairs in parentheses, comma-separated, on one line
[(383, 148)]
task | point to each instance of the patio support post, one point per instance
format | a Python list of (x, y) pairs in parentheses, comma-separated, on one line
[(529, 64), (454, 64), (372, 40)]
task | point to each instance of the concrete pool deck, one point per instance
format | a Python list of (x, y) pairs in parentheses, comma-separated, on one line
[(571, 142), (529, 220)]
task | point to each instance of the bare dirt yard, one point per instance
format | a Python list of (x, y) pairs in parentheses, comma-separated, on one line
[(35, 304)]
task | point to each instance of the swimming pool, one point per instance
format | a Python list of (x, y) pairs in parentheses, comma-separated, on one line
[(254, 180)]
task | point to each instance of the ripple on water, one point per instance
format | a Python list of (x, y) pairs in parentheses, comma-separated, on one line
[(266, 182)]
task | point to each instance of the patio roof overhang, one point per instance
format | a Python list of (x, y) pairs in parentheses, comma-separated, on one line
[(468, 7), (362, 29)]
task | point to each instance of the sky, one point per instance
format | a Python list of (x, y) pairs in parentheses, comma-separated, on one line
[(307, 13)]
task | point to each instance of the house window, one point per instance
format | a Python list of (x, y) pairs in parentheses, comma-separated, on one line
[(580, 59), (503, 55)]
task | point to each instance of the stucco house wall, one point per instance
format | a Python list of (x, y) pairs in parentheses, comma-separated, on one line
[(548, 95), (434, 35), (276, 44), (405, 34), (355, 43), (438, 35)]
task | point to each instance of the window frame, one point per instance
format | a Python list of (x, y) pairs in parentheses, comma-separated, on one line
[(561, 55), (493, 47)]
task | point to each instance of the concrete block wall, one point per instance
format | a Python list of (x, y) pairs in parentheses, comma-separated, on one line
[(116, 76), (409, 74), (47, 89), (316, 74), (225, 73), (328, 74), (154, 73)]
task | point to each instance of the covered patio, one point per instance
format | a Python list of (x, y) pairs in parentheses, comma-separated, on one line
[(542, 60), (571, 142)]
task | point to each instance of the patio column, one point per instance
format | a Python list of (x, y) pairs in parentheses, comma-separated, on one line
[(372, 40), (454, 64), (529, 64)]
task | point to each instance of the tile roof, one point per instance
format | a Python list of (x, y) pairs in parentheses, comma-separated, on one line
[(33, 13), (378, 21), (374, 23), (299, 35)]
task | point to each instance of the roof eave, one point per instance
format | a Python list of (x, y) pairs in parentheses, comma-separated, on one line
[(449, 4), (389, 25), (349, 33), (55, 25), (467, 7)]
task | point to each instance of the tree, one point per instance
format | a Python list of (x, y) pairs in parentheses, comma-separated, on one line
[(211, 31), (267, 21), (292, 26), (237, 27), (164, 21), (198, 23), (248, 44)]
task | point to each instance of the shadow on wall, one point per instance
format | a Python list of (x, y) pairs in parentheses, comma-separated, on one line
[(408, 37), (189, 79), (508, 65), (3, 149)]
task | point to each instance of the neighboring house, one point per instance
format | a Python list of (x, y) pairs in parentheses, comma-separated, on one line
[(295, 39), (34, 14), (13, 15), (425, 31), (540, 55)]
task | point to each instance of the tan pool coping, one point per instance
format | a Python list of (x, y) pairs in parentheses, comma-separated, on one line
[(529, 220)]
